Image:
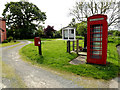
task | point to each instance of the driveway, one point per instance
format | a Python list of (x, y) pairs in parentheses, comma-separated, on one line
[(36, 77), (33, 77)]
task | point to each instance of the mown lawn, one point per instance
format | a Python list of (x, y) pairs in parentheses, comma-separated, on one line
[(9, 43), (56, 57)]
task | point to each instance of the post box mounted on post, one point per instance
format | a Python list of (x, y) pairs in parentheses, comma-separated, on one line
[(97, 32), (37, 42)]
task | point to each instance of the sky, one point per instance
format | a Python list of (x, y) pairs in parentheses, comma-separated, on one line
[(57, 11)]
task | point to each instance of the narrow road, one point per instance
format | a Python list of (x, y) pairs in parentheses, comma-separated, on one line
[(32, 76)]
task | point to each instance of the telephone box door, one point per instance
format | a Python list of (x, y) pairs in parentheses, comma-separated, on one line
[(97, 39)]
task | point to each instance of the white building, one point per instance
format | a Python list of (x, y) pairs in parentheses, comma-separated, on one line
[(68, 33)]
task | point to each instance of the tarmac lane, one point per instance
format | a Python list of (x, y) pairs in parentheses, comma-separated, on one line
[(33, 77)]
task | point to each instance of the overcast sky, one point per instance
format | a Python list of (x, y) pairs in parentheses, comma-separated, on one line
[(57, 11)]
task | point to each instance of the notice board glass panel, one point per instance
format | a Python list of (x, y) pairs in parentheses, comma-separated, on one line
[(65, 34)]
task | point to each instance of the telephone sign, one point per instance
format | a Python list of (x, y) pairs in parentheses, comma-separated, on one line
[(97, 32)]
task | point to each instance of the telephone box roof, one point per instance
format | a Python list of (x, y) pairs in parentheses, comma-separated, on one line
[(98, 16)]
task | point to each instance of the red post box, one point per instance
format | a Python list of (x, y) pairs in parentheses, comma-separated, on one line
[(97, 32), (37, 41)]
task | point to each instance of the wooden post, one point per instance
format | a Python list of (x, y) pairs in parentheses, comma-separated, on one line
[(73, 45), (39, 48), (68, 46), (77, 46)]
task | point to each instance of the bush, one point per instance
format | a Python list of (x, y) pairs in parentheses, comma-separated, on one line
[(5, 41), (79, 37), (10, 38), (57, 34)]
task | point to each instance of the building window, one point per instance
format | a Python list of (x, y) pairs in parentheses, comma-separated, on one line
[(72, 31)]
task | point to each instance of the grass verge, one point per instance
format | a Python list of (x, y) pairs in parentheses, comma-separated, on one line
[(9, 43), (56, 57)]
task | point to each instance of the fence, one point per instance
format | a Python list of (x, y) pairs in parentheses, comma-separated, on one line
[(77, 46)]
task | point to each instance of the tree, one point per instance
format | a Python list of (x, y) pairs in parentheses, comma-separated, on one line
[(81, 28), (58, 34), (40, 31), (116, 33), (21, 17), (49, 31), (72, 23), (82, 10)]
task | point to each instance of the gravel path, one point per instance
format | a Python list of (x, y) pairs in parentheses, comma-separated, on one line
[(33, 77)]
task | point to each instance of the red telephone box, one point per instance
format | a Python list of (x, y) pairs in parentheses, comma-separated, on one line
[(97, 32)]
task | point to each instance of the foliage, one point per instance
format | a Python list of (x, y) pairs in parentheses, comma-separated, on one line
[(58, 34), (21, 17), (82, 10), (72, 23), (10, 38), (56, 57), (81, 28), (43, 39), (114, 32), (5, 41), (9, 43), (40, 31), (49, 31), (79, 37)]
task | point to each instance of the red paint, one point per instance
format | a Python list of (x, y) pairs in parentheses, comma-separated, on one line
[(97, 31), (37, 41), (3, 35)]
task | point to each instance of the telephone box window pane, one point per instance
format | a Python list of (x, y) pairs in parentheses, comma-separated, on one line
[(97, 35), (96, 41), (96, 48), (95, 56)]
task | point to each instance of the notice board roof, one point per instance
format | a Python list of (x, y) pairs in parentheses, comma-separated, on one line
[(68, 27)]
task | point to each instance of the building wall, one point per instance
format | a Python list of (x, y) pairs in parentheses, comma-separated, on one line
[(3, 27)]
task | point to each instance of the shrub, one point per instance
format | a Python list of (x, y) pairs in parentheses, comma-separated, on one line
[(79, 37), (10, 38), (5, 41)]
